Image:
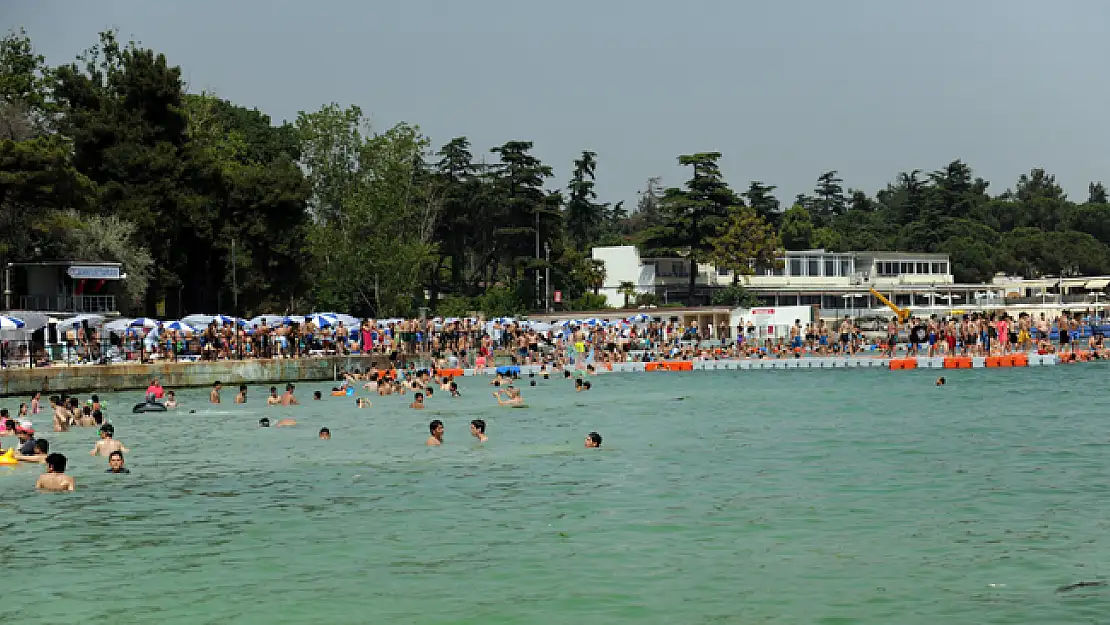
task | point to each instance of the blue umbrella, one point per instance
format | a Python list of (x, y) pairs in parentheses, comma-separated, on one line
[(10, 323), (144, 322), (320, 320), (179, 326)]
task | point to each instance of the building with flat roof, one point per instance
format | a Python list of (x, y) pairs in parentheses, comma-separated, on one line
[(62, 287), (840, 283)]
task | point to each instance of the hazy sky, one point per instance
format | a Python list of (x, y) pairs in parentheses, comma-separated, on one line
[(784, 89)]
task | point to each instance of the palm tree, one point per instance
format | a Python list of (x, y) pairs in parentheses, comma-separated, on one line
[(628, 290)]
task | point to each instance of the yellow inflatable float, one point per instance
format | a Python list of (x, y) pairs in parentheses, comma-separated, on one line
[(9, 457)]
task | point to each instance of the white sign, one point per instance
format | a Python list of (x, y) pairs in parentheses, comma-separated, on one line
[(85, 272)]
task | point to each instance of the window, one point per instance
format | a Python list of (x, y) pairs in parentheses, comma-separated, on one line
[(907, 268), (721, 271), (814, 266), (830, 267), (845, 267), (887, 269), (810, 300), (795, 266), (936, 268), (943, 269)]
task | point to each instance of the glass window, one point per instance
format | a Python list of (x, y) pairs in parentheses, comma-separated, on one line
[(936, 268), (814, 266), (830, 267), (922, 268), (845, 267), (943, 268), (907, 268), (795, 266), (721, 271)]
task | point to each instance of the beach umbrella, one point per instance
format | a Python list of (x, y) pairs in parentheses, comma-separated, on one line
[(272, 320), (320, 321), (143, 322), (11, 323), (94, 321), (203, 320), (178, 326), (347, 320), (540, 326), (119, 325)]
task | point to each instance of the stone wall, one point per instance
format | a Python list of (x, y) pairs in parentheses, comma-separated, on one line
[(130, 376)]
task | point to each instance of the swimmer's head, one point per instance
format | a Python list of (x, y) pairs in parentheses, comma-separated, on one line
[(316, 395), (429, 391), (418, 397), (56, 463), (42, 446), (531, 383), (587, 385), (497, 382), (217, 385), (263, 422), (477, 426), (242, 388), (325, 433), (115, 460), (107, 430), (577, 382), (566, 374), (593, 439), (436, 427), (941, 381), (289, 387), (273, 390)]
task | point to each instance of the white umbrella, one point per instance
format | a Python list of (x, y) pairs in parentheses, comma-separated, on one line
[(143, 322), (119, 325), (272, 320), (95, 321), (541, 326), (179, 326), (347, 320), (11, 323)]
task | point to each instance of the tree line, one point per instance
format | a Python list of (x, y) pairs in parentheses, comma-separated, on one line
[(211, 206)]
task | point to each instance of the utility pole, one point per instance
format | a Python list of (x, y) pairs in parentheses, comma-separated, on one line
[(537, 257), (234, 282), (547, 278)]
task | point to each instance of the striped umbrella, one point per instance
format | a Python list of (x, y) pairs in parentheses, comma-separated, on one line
[(10, 323)]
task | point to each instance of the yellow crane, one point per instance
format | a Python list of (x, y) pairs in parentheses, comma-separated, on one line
[(903, 314)]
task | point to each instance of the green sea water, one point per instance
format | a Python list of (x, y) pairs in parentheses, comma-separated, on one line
[(833, 496)]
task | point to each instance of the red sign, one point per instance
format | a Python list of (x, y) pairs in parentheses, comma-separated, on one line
[(558, 297), (763, 311)]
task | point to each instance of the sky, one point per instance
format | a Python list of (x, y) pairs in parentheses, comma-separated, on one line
[(785, 90)]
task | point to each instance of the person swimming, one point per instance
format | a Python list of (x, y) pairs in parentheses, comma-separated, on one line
[(941, 381), (512, 397), (325, 434), (417, 402), (214, 396), (115, 463), (317, 395), (593, 440), (241, 398), (55, 478), (263, 422), (436, 430), (106, 445), (478, 430), (171, 401), (362, 403)]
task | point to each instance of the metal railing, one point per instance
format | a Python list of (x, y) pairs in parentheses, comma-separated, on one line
[(69, 303)]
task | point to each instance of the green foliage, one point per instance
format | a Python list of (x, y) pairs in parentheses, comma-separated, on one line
[(589, 301), (501, 302), (797, 229), (745, 241), (734, 295)]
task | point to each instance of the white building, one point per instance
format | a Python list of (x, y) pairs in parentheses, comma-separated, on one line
[(623, 264)]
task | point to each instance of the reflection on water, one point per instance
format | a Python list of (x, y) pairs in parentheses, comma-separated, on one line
[(792, 497)]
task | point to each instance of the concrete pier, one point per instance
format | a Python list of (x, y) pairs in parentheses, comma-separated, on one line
[(131, 376)]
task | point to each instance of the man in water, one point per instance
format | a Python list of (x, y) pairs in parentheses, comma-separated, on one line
[(273, 399), (478, 430), (436, 429), (593, 440), (171, 400), (106, 445), (115, 463), (417, 401), (289, 399), (42, 448), (263, 422), (214, 396), (325, 434), (317, 396), (241, 398), (155, 391), (55, 478), (26, 435)]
